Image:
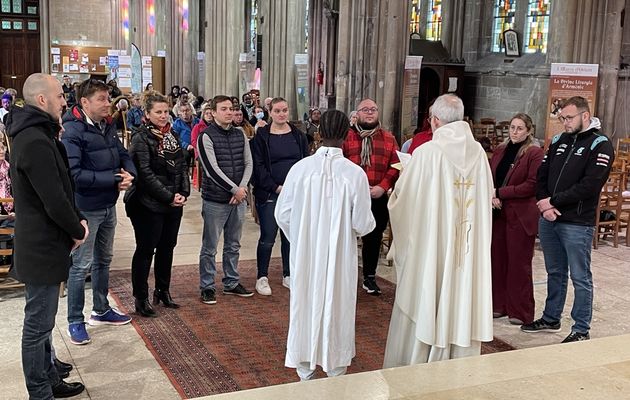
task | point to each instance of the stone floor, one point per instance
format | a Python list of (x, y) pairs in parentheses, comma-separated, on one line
[(117, 364)]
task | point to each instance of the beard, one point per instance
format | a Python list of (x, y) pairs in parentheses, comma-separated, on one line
[(367, 126)]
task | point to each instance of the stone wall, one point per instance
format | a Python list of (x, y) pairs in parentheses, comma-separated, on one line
[(71, 23)]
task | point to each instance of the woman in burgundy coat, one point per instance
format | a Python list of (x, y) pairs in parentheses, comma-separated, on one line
[(515, 222)]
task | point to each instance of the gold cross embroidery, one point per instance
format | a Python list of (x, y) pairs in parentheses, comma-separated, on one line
[(463, 226)]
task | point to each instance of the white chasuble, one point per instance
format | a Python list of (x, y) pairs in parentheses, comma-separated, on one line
[(322, 208), (441, 217)]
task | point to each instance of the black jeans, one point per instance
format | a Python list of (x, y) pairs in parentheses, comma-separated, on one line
[(155, 234), (268, 232), (371, 243), (39, 320)]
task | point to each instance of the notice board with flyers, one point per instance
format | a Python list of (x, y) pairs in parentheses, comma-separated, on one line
[(67, 59)]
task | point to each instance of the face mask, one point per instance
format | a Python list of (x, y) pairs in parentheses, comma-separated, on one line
[(260, 115)]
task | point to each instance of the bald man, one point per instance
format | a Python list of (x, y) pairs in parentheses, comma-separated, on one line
[(373, 149), (48, 228)]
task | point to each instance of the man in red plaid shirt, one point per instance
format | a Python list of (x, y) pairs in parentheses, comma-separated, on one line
[(373, 149)]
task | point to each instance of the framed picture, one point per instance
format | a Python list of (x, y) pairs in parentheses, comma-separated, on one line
[(510, 39)]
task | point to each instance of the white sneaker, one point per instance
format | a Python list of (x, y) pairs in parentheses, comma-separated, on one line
[(286, 282), (262, 286)]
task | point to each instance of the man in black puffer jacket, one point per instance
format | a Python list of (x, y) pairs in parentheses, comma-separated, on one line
[(47, 228), (101, 168), (227, 163), (570, 180)]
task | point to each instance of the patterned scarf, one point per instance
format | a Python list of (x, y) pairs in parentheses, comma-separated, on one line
[(168, 145), (366, 143), (5, 185)]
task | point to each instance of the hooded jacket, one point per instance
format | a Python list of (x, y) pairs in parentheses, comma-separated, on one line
[(573, 172), (95, 157), (47, 220)]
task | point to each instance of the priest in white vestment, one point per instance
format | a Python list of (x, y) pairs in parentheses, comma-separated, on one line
[(441, 219), (322, 208)]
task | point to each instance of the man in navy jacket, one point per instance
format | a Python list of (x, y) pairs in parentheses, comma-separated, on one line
[(100, 168)]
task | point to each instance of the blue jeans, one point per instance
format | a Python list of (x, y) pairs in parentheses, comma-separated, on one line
[(40, 310), (268, 232), (567, 249), (217, 218), (95, 255)]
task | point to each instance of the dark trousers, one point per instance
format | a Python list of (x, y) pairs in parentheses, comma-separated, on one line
[(512, 287), (268, 233), (39, 320), (155, 234), (371, 243)]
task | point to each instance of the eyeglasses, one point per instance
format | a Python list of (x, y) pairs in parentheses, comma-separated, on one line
[(566, 118), (367, 110)]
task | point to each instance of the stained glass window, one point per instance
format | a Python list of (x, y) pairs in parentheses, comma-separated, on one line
[(537, 26), (6, 25), (253, 26), (504, 11), (17, 6), (31, 10), (6, 6), (434, 20), (17, 25), (31, 25), (414, 17)]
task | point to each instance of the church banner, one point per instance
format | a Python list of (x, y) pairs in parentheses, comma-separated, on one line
[(411, 93), (568, 80)]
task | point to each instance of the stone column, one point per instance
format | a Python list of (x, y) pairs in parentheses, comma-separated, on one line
[(453, 22), (224, 42), (282, 27), (372, 45), (44, 36)]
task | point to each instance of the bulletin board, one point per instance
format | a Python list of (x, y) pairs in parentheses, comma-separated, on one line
[(66, 59)]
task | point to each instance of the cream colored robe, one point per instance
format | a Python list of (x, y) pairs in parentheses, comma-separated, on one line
[(441, 220), (322, 208)]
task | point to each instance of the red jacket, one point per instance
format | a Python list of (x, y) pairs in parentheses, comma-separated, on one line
[(518, 194), (420, 139), (197, 129)]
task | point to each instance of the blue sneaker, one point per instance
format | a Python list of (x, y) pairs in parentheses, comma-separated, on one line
[(109, 317), (78, 334)]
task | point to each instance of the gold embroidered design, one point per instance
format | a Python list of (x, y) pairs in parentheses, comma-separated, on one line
[(462, 224)]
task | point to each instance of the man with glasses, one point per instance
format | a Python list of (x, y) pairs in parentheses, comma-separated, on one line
[(101, 169), (570, 180), (373, 149)]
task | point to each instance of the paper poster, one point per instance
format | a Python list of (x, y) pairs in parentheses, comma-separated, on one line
[(411, 94), (66, 68), (568, 80), (74, 67), (85, 58), (56, 59), (66, 60), (147, 74), (124, 60), (413, 62), (55, 50), (83, 68), (124, 72), (55, 68), (146, 61), (111, 52), (161, 53), (74, 55), (124, 82), (102, 61)]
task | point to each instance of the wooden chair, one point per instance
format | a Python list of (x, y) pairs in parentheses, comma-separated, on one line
[(623, 147), (502, 131), (611, 201), (5, 281)]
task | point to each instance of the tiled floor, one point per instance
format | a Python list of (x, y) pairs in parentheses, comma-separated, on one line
[(117, 365)]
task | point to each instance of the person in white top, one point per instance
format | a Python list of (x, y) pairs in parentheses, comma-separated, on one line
[(323, 207), (441, 220)]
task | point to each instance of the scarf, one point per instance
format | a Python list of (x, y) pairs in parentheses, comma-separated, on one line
[(5, 185), (366, 144), (168, 145)]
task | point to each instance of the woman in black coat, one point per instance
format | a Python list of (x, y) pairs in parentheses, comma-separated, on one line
[(155, 206)]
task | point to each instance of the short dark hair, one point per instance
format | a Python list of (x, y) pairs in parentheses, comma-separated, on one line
[(218, 99), (334, 124), (150, 98), (88, 87), (579, 102), (275, 101)]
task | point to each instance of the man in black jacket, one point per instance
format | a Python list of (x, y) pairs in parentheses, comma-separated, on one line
[(227, 163), (570, 180), (47, 229)]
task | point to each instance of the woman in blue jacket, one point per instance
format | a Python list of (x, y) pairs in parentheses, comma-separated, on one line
[(275, 148)]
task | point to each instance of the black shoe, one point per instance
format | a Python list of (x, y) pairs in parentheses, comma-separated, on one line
[(208, 297), (165, 297), (370, 286), (144, 308), (238, 290), (576, 337), (63, 375), (67, 389), (62, 366), (540, 325)]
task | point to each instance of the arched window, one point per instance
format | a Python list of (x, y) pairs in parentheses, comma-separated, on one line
[(425, 18), (504, 19), (537, 26)]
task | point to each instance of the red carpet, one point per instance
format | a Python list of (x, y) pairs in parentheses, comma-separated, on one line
[(240, 343)]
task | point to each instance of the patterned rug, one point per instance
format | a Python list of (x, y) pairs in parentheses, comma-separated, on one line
[(239, 343)]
